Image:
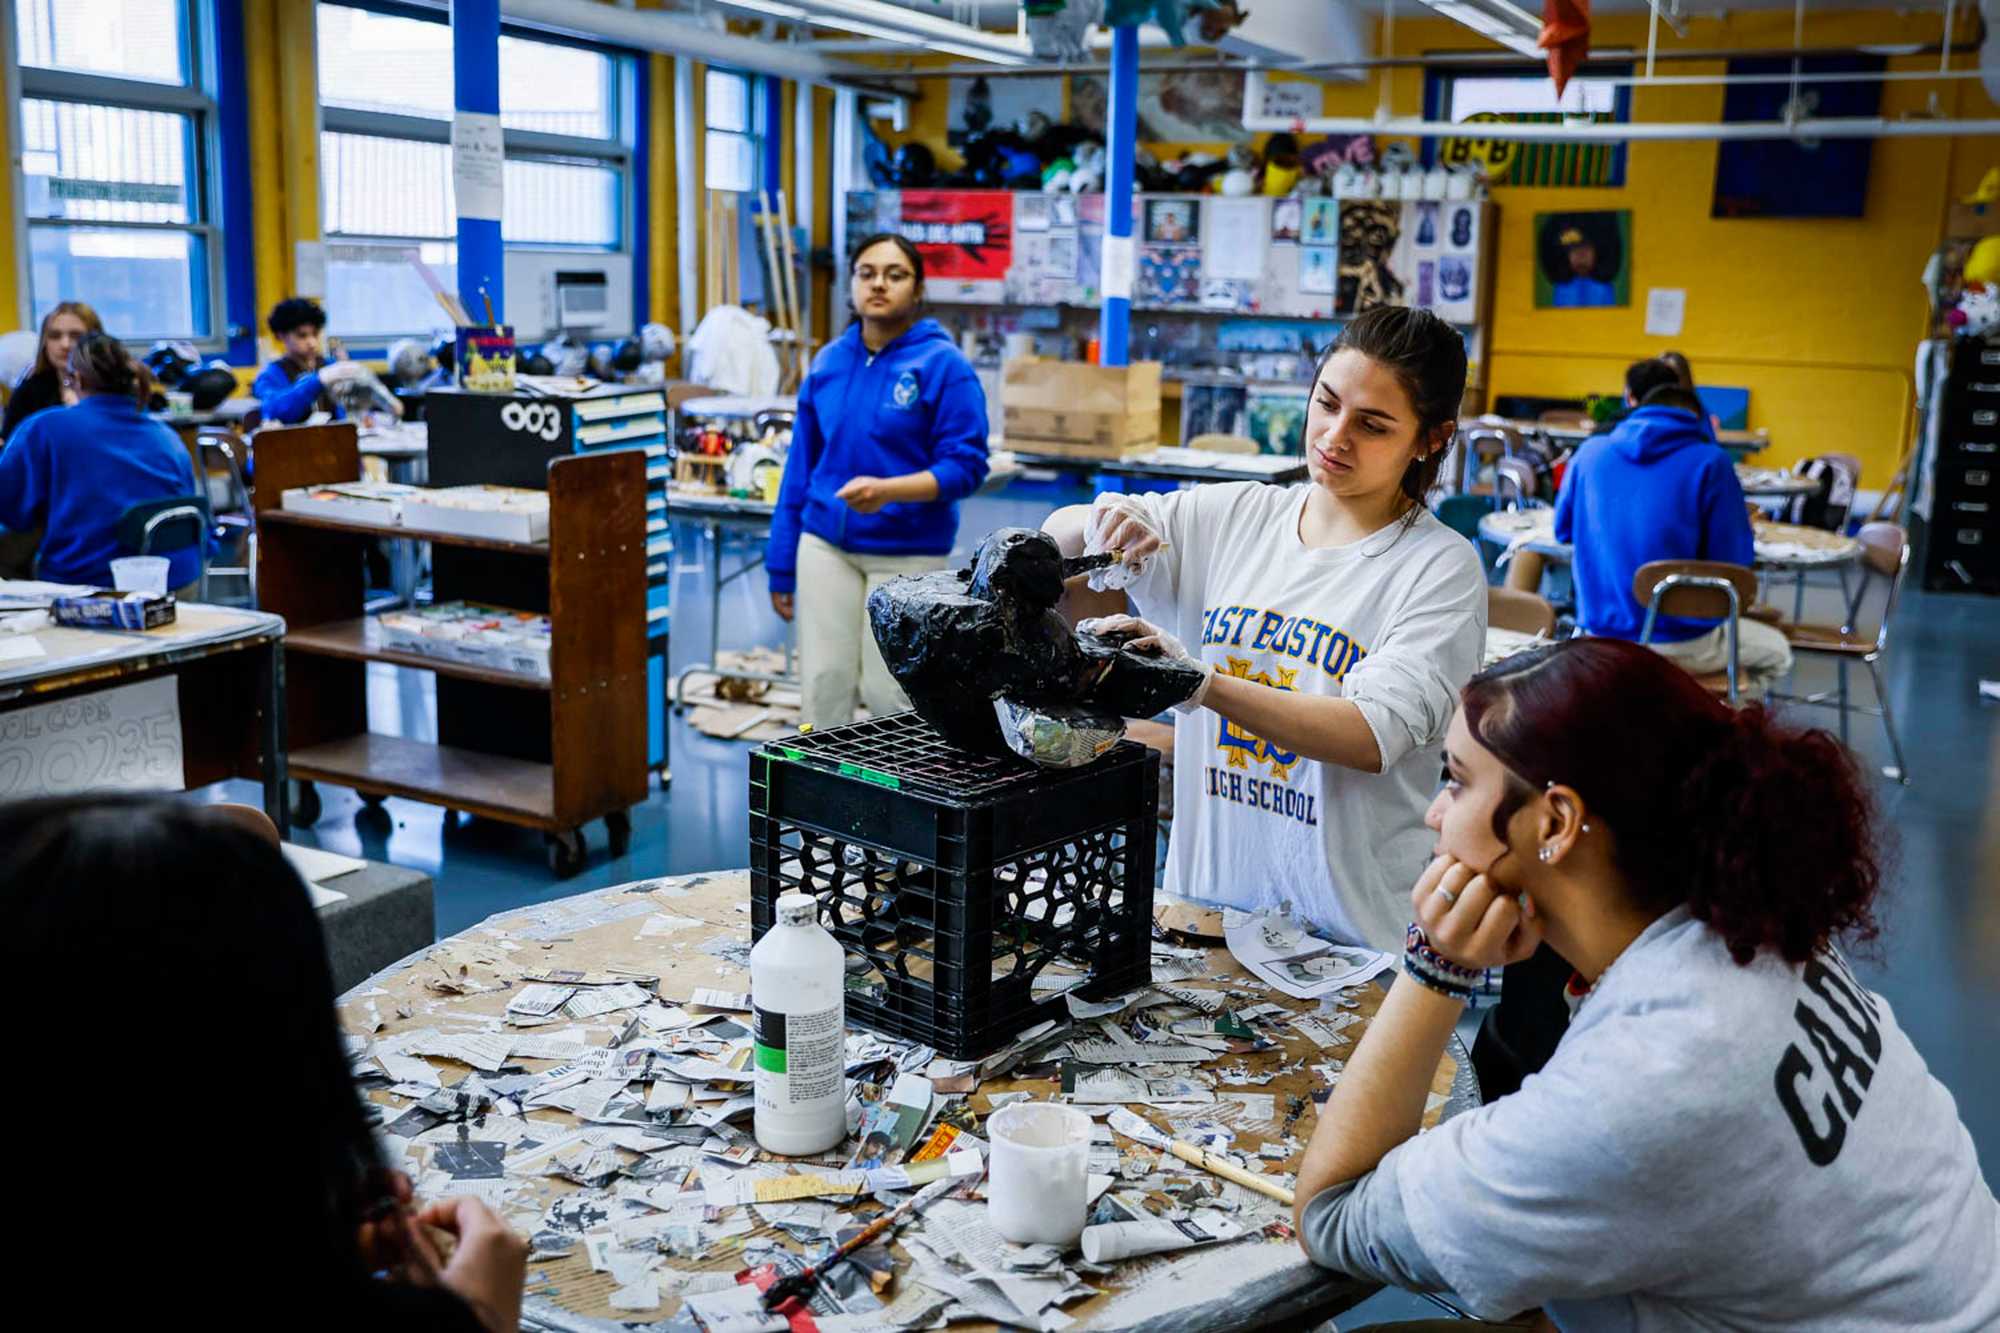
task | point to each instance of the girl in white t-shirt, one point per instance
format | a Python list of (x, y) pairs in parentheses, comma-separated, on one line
[(1337, 620), (1733, 1133)]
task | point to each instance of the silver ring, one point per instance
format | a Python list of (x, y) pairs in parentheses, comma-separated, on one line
[(1451, 899)]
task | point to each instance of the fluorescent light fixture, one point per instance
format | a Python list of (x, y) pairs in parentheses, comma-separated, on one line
[(871, 18), (1507, 24)]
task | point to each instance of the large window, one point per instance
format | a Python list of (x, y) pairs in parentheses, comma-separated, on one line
[(385, 86), (114, 144), (729, 136), (1461, 96)]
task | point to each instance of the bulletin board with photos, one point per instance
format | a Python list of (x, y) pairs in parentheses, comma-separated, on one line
[(1290, 257)]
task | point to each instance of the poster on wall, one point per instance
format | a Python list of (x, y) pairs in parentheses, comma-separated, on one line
[(1232, 239), (1173, 221), (1214, 409), (1440, 258), (966, 238), (1322, 222), (1286, 215), (1169, 275), (1370, 232), (1583, 260)]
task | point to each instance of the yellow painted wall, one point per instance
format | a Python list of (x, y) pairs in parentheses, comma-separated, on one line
[(1817, 318), (12, 298)]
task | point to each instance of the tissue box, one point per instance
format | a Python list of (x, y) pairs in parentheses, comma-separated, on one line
[(114, 610)]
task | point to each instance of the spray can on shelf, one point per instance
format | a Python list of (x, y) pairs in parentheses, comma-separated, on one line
[(796, 975)]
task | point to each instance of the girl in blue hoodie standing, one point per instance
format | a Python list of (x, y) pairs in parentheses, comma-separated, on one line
[(890, 436)]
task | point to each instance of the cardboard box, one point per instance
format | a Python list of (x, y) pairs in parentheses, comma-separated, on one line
[(1078, 410), (506, 513), (355, 502)]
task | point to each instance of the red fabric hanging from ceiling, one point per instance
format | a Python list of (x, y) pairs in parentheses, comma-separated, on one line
[(1565, 36)]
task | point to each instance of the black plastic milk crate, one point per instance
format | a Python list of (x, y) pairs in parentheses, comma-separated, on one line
[(953, 879)]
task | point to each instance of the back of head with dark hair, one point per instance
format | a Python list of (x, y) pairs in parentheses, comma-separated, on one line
[(102, 365), (185, 1068), (1672, 395), (1642, 377), (1695, 796), (903, 243), (1427, 357), (1681, 369), (296, 312)]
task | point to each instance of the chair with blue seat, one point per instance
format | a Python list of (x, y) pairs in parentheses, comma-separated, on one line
[(163, 527)]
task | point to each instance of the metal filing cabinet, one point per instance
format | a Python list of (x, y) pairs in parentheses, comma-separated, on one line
[(508, 440)]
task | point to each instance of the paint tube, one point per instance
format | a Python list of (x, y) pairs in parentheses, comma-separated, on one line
[(1112, 1241)]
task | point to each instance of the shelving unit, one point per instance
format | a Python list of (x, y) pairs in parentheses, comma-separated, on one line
[(508, 440), (550, 754)]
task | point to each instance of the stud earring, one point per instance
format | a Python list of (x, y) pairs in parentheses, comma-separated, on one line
[(1548, 854), (1586, 827)]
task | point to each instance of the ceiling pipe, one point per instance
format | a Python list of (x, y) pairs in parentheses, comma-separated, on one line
[(1597, 131), (653, 30), (1459, 60)]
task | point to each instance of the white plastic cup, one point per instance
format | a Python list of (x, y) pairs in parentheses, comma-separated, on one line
[(140, 573), (1038, 1181)]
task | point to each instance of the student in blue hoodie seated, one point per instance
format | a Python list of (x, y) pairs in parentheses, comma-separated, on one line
[(74, 471), (1658, 487), (890, 436), (296, 385)]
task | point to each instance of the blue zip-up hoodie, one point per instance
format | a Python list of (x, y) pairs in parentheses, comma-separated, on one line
[(74, 471), (916, 405), (1655, 488), (286, 396)]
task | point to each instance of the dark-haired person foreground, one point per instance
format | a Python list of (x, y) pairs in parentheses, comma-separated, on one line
[(1336, 620), (185, 1085), (890, 436), (74, 471), (1733, 1133)]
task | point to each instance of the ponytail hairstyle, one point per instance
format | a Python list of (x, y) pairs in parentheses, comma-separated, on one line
[(1697, 796), (102, 365), (1427, 356)]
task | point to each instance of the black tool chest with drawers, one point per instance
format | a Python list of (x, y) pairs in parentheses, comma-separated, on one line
[(1962, 541)]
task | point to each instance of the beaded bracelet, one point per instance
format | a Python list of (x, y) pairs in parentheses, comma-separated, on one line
[(1475, 987)]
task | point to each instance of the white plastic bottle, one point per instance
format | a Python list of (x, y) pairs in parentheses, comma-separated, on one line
[(796, 974)]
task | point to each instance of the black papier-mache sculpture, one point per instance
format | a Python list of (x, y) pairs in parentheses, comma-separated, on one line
[(959, 639)]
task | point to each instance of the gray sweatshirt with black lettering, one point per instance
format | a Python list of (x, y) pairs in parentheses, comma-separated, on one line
[(1711, 1147)]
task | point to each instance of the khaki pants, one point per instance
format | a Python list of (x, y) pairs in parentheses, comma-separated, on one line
[(838, 659), (1760, 649)]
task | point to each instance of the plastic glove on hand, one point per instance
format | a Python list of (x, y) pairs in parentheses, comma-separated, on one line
[(1142, 636), (1120, 523)]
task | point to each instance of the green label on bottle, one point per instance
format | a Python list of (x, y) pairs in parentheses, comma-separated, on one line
[(771, 1058)]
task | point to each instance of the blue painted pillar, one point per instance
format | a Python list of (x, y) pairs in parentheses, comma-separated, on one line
[(774, 137), (1121, 125), (475, 64), (230, 88)]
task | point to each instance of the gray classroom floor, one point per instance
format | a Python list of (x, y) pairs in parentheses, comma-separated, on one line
[(1938, 961)]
